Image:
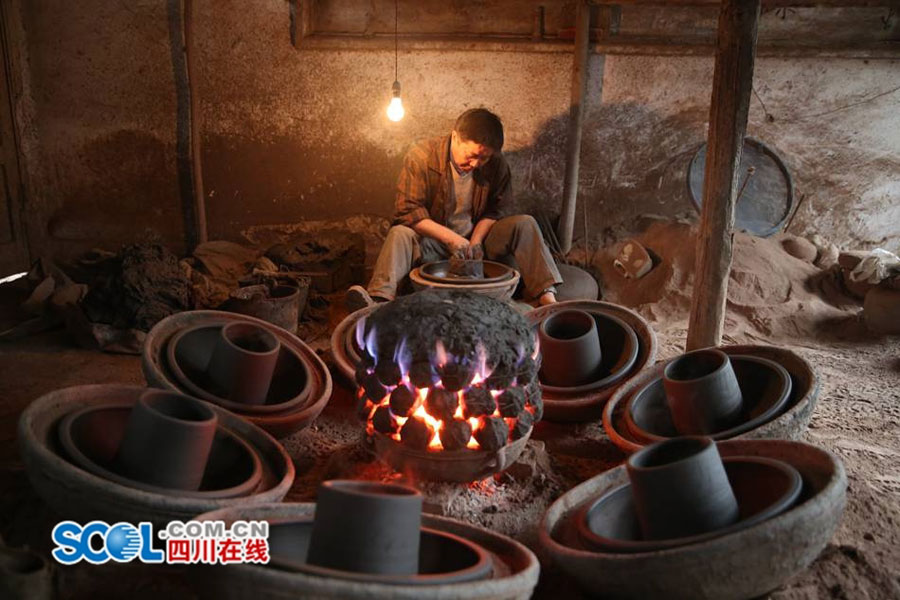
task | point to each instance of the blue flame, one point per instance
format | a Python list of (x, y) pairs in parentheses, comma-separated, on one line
[(403, 357)]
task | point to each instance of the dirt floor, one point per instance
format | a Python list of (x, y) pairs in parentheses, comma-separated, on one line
[(857, 418)]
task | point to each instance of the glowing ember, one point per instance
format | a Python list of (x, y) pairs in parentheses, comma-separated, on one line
[(447, 371), (432, 405)]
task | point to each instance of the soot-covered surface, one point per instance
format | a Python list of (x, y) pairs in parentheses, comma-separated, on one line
[(463, 322)]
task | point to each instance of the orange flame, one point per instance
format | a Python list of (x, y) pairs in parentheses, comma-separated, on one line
[(436, 425)]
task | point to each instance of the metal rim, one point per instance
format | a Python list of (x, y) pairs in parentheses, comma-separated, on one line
[(751, 141)]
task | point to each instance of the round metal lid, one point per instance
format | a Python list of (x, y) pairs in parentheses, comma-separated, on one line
[(766, 196)]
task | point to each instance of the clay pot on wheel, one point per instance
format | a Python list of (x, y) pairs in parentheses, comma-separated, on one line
[(702, 392), (367, 527), (167, 440), (680, 488), (243, 361), (570, 348)]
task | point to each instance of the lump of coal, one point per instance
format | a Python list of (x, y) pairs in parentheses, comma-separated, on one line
[(416, 433), (493, 435), (441, 404), (455, 434), (526, 372), (454, 376), (534, 400), (523, 424), (511, 402), (362, 371), (478, 402), (402, 400), (373, 388), (500, 379), (388, 372), (421, 374), (383, 422)]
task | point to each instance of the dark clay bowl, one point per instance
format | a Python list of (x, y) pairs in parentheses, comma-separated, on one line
[(443, 557), (765, 387), (91, 437), (439, 272), (188, 354), (763, 487), (619, 347)]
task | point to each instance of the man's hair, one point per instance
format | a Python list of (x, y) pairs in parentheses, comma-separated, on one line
[(481, 126)]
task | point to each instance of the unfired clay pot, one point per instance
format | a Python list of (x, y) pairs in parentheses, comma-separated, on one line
[(444, 558), (765, 388), (91, 437), (243, 361), (680, 488), (167, 440), (367, 527), (570, 348), (763, 487), (703, 392)]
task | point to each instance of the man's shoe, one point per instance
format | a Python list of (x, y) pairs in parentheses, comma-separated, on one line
[(357, 298)]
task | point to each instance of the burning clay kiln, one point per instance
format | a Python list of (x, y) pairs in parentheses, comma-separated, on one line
[(447, 383)]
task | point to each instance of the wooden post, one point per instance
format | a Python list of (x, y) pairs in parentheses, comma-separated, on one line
[(196, 116), (566, 225), (732, 85)]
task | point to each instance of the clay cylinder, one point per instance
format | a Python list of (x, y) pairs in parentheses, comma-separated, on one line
[(680, 488), (167, 440), (570, 348), (367, 527), (702, 392), (243, 361)]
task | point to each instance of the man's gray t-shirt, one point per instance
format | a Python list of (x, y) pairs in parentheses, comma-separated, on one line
[(460, 213)]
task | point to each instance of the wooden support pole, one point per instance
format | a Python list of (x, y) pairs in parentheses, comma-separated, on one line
[(732, 86), (566, 225), (190, 48)]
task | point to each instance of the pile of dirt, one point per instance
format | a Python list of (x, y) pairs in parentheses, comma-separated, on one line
[(771, 294), (138, 287)]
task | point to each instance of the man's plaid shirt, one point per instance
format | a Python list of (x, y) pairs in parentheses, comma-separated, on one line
[(424, 187)]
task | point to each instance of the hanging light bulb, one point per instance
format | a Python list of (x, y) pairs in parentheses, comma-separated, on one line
[(395, 110)]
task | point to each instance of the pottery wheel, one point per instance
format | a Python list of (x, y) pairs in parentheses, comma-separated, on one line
[(439, 272)]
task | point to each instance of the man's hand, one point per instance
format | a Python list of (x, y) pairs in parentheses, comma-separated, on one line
[(457, 245), (475, 252)]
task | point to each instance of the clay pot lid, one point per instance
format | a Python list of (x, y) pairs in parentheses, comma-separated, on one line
[(233, 469), (463, 466), (765, 387), (763, 487), (289, 543), (439, 272), (619, 348), (187, 355)]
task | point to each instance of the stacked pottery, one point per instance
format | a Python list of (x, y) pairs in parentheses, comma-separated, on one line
[(480, 276), (368, 540), (692, 518), (118, 452), (248, 366), (722, 394), (588, 350), (367, 531), (681, 492), (166, 446)]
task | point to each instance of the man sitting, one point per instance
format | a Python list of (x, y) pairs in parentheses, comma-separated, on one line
[(453, 197)]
